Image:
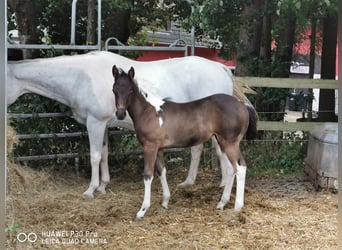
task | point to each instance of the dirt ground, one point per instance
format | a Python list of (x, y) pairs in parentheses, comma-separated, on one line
[(46, 210)]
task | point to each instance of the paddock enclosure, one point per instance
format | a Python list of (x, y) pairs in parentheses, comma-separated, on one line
[(47, 207), (45, 210)]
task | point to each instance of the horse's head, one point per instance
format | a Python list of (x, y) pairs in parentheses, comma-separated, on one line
[(123, 88)]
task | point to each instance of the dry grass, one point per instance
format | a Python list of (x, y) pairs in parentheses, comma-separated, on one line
[(294, 217)]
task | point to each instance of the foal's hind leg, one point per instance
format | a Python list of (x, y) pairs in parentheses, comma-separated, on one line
[(236, 159), (240, 187), (162, 175)]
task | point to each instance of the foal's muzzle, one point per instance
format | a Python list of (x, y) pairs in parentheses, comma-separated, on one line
[(121, 114)]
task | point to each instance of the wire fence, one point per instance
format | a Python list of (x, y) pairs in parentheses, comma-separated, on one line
[(83, 134)]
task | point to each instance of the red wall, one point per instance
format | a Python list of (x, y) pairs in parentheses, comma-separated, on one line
[(211, 54)]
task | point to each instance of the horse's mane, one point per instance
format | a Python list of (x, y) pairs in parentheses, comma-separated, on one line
[(148, 90)]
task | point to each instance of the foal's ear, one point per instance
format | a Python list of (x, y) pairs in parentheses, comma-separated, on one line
[(131, 73), (115, 71)]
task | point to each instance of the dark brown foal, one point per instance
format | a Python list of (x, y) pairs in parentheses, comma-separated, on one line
[(183, 125)]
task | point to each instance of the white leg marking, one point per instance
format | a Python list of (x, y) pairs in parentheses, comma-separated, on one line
[(240, 187), (166, 190), (96, 130), (228, 184), (104, 166), (94, 182), (147, 199), (195, 160)]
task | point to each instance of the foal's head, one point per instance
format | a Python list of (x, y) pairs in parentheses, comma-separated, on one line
[(123, 88)]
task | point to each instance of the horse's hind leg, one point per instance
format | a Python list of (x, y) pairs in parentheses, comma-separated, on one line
[(162, 175), (196, 152), (195, 160), (104, 165)]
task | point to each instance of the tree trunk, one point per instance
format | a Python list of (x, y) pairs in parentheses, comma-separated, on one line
[(91, 22), (312, 64), (248, 51), (27, 24), (285, 43), (328, 69), (117, 24), (265, 47)]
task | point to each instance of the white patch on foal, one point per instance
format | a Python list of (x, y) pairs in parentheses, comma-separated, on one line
[(148, 90)]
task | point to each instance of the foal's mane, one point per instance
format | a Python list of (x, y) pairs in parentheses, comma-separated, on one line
[(148, 90)]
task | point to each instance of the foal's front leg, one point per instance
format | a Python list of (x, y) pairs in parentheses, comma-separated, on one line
[(150, 156)]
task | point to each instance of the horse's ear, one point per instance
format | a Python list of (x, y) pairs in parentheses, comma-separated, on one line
[(115, 71), (131, 73)]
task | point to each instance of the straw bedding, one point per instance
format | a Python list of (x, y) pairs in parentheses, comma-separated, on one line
[(283, 213)]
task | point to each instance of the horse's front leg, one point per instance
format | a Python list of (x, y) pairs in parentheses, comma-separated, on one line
[(162, 175), (104, 165), (96, 130), (195, 160), (150, 156)]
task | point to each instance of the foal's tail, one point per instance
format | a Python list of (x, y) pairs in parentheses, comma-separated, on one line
[(253, 121)]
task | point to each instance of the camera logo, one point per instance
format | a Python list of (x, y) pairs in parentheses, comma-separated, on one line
[(30, 237)]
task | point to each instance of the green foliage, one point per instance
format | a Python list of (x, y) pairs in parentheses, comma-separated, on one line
[(219, 18), (31, 103), (270, 103), (275, 154), (12, 229)]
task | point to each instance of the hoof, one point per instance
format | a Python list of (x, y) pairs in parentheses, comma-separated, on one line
[(101, 190), (185, 184), (163, 206), (137, 218), (237, 209), (88, 196), (220, 206)]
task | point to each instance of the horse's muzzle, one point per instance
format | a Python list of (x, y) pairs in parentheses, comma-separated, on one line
[(121, 114)]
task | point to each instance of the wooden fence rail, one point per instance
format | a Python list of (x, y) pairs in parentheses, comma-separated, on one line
[(287, 83)]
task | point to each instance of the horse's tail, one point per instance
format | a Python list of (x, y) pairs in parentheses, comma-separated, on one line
[(239, 93), (239, 90), (253, 122)]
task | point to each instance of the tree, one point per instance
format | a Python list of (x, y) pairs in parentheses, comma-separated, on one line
[(27, 24), (248, 50), (91, 22), (328, 66)]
